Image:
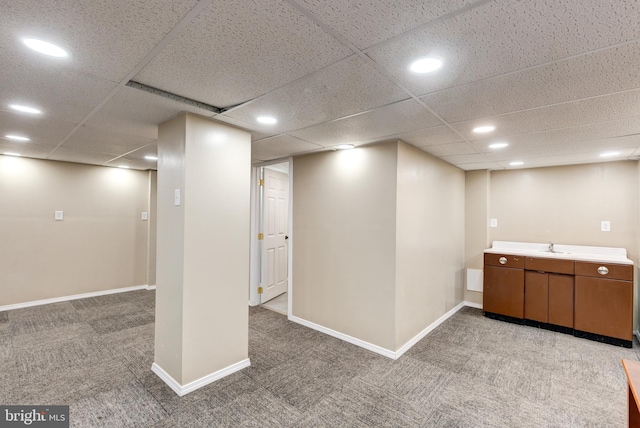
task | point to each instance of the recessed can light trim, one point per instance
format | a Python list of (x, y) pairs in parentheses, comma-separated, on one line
[(344, 147), (516, 163), (267, 120), (24, 109), (45, 48), (496, 146), (12, 154), (16, 138), (151, 158), (426, 65), (484, 129)]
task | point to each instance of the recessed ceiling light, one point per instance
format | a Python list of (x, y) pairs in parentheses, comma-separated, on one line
[(123, 166), (267, 120), (12, 154), (24, 109), (45, 48), (609, 154), (152, 158), (516, 163), (425, 65), (498, 145), (483, 129), (344, 147), (16, 138)]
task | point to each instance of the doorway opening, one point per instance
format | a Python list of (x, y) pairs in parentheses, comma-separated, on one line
[(271, 243)]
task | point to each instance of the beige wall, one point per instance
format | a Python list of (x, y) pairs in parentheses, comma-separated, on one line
[(476, 212), (152, 228), (429, 241), (344, 241), (101, 244), (566, 204), (203, 247)]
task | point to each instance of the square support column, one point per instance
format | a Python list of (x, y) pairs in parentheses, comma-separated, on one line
[(204, 171)]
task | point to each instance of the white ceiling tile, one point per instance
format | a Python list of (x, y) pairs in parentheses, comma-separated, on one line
[(59, 92), (29, 150), (458, 160), (584, 112), (368, 22), (280, 146), (345, 88), (237, 50), (104, 38), (567, 136), (39, 130), (603, 72), (80, 156), (149, 150), (377, 124), (139, 113), (450, 149), (430, 136), (568, 159), (504, 36), (97, 140), (258, 131), (481, 165)]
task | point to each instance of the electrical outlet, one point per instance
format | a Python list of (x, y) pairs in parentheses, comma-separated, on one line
[(494, 222), (605, 226)]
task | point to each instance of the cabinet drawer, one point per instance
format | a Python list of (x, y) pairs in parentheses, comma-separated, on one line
[(611, 271), (504, 260), (549, 265)]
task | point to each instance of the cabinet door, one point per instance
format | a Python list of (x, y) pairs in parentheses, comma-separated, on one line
[(504, 291), (536, 296), (561, 300), (604, 306)]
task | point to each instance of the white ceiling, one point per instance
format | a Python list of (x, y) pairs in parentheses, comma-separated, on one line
[(559, 79)]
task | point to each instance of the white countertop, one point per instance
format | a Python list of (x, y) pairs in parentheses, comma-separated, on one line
[(561, 251)]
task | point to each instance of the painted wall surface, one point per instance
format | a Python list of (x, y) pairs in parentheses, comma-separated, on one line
[(476, 214), (565, 205), (203, 247), (216, 247), (344, 225), (101, 244), (152, 227), (429, 241), (170, 247)]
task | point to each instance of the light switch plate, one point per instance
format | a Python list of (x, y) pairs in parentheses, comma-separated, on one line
[(494, 222), (59, 215), (176, 196), (145, 216), (605, 226)]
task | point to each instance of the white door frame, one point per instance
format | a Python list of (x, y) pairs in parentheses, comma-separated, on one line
[(254, 273)]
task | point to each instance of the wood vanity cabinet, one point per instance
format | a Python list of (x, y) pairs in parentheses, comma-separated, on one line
[(548, 296), (604, 299), (504, 285)]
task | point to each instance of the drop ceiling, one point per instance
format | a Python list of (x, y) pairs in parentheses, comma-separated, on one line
[(558, 79)]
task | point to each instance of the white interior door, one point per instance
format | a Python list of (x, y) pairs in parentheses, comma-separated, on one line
[(275, 224)]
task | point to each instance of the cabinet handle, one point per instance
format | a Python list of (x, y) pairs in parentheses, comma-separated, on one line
[(503, 260), (602, 270)]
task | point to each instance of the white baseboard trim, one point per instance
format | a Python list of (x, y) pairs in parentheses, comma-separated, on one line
[(199, 383), (150, 287), (428, 330), (473, 305), (355, 341), (73, 297), (378, 349)]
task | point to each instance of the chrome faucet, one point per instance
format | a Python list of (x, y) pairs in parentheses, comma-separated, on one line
[(550, 249)]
